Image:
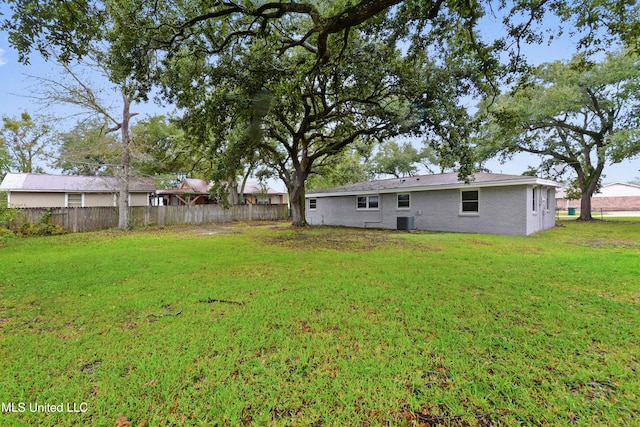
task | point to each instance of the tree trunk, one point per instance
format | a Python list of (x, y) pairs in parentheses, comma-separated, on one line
[(588, 187), (585, 207), (123, 200), (125, 161), (232, 193), (296, 199)]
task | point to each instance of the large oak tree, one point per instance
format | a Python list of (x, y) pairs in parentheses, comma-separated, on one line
[(576, 115), (315, 45)]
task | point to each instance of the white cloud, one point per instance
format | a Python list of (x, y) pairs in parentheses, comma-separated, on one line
[(2, 60)]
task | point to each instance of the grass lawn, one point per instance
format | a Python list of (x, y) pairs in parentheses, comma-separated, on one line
[(264, 325)]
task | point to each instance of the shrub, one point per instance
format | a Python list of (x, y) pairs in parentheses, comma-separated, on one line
[(44, 227), (5, 236), (7, 215)]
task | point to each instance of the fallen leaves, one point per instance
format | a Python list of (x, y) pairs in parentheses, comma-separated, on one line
[(121, 421)]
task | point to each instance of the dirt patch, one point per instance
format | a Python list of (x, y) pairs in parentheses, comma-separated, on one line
[(613, 243), (336, 239), (426, 417), (214, 232), (208, 230)]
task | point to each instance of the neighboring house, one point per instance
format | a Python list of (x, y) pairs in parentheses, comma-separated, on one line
[(194, 191), (26, 190), (616, 196), (259, 194), (490, 203)]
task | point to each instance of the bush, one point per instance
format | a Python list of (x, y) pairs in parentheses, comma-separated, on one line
[(44, 227), (5, 236), (7, 215)]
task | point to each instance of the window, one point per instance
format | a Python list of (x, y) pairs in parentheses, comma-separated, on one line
[(404, 201), (373, 202), (469, 201), (362, 202), (313, 203), (367, 202), (534, 198), (548, 203), (74, 200)]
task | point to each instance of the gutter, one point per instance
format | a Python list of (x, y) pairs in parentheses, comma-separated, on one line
[(456, 186)]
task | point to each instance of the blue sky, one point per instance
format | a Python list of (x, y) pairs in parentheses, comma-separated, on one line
[(16, 87)]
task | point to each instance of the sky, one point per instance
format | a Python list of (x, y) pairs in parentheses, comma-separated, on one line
[(16, 88)]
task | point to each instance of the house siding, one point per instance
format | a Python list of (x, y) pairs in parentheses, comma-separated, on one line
[(501, 210), (36, 200), (58, 200), (95, 200), (542, 218), (138, 199)]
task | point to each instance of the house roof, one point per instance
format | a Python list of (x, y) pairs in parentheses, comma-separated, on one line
[(200, 186), (612, 189), (431, 182), (618, 189), (30, 182), (196, 185)]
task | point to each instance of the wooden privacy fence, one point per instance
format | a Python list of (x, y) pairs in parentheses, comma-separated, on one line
[(90, 219)]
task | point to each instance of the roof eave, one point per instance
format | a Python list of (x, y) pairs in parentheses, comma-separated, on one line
[(436, 187), (20, 190)]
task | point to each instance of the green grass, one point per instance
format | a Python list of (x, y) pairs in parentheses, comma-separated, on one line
[(267, 325)]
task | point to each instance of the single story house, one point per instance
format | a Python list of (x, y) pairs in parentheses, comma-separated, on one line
[(195, 191), (28, 190), (191, 192), (489, 203), (615, 196)]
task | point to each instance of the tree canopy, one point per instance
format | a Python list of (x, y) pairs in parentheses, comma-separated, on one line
[(87, 150), (577, 116), (295, 83), (28, 141)]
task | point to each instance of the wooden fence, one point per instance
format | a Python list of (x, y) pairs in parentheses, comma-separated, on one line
[(90, 219)]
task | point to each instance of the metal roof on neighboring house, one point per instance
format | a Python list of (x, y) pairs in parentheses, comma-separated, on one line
[(431, 182), (200, 186), (30, 182), (196, 185)]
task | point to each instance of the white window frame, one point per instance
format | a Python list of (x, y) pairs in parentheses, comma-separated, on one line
[(398, 201), (535, 199), (315, 204), (477, 201), (368, 203), (66, 201)]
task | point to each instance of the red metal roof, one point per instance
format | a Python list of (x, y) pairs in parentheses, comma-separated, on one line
[(64, 183)]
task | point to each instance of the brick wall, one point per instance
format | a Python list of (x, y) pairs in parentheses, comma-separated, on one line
[(622, 203), (626, 203)]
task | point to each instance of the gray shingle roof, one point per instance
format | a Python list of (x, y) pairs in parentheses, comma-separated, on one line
[(65, 183), (431, 182)]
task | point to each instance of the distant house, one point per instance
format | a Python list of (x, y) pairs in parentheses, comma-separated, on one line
[(192, 191), (195, 191), (26, 190), (490, 203), (257, 194), (615, 196)]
